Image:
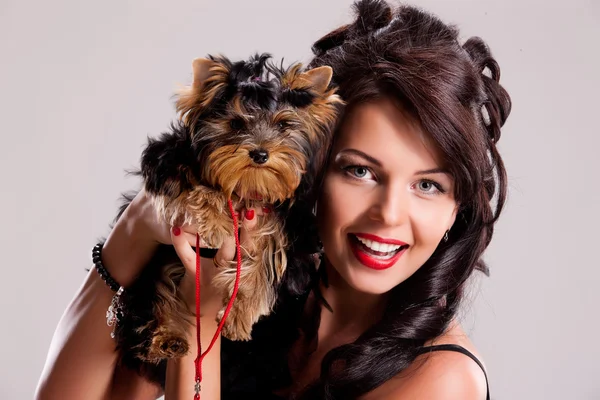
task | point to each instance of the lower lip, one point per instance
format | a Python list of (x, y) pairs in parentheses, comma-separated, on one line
[(374, 263)]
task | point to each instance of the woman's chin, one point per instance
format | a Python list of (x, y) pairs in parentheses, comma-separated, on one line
[(367, 281)]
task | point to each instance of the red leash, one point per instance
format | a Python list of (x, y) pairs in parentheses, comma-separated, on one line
[(201, 355)]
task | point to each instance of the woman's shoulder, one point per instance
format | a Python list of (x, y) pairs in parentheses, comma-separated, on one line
[(444, 372)]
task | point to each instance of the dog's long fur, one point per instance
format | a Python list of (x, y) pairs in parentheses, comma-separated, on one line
[(248, 131)]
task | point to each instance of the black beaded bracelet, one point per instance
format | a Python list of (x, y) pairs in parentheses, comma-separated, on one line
[(116, 309), (102, 271)]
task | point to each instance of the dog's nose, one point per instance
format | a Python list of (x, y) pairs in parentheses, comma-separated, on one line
[(259, 156)]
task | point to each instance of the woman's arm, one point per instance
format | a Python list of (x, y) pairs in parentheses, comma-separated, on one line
[(81, 359), (81, 362)]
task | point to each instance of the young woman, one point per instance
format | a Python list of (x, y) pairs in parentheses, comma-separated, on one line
[(404, 213)]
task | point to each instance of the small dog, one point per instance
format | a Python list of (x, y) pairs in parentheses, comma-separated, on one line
[(249, 131)]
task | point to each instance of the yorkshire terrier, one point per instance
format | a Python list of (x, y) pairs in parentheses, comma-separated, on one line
[(251, 132)]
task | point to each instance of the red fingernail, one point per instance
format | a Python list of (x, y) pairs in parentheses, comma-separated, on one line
[(266, 210), (250, 215), (176, 231)]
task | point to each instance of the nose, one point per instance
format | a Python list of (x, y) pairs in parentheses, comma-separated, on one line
[(391, 207), (259, 156)]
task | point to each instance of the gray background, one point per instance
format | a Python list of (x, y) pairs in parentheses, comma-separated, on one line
[(82, 84)]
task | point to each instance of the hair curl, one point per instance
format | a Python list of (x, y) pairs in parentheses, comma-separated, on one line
[(454, 93)]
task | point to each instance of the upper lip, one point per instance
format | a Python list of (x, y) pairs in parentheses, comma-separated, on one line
[(378, 239)]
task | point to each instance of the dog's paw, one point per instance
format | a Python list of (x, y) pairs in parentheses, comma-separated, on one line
[(236, 327), (167, 345)]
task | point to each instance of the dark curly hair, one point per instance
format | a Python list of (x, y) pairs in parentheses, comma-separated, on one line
[(453, 91)]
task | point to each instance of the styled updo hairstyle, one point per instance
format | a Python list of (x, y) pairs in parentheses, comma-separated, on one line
[(453, 91)]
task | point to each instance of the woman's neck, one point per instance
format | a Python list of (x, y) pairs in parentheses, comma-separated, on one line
[(353, 312)]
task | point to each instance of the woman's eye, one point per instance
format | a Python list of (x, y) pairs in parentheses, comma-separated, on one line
[(359, 172), (430, 187), (425, 186)]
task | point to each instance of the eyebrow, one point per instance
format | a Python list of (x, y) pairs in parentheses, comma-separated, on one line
[(376, 162), (434, 171), (363, 155)]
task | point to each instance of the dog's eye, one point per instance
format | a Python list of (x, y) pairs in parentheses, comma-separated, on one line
[(237, 124), (283, 125)]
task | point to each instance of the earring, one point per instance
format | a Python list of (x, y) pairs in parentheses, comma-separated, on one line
[(446, 235)]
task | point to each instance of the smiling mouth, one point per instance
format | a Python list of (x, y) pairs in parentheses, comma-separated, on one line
[(376, 254)]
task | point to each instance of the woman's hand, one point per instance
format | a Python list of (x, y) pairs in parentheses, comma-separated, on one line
[(151, 230), (184, 242), (149, 226)]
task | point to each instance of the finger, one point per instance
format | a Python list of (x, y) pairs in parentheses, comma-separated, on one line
[(247, 221), (181, 243), (191, 239), (245, 236), (250, 218), (190, 228), (265, 210), (190, 231), (227, 250), (248, 225)]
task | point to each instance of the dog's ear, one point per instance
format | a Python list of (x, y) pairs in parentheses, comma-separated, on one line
[(201, 71), (301, 88), (209, 79), (319, 78), (321, 114)]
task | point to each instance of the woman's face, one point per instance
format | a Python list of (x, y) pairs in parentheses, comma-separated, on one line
[(386, 201)]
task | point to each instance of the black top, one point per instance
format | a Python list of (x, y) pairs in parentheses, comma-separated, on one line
[(249, 376), (253, 369)]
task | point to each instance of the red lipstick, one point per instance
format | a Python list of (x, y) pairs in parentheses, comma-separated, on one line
[(370, 261)]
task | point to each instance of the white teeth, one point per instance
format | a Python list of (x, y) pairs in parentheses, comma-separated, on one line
[(377, 246), (386, 248)]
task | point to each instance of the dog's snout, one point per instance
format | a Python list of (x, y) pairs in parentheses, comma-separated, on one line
[(259, 156)]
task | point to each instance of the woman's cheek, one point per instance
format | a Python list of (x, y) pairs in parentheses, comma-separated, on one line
[(430, 219)]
